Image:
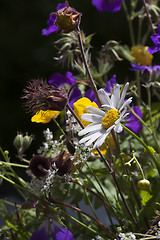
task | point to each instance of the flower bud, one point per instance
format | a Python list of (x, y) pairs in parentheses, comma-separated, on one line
[(62, 162), (18, 141), (42, 96), (143, 184), (39, 165), (68, 19), (27, 141)]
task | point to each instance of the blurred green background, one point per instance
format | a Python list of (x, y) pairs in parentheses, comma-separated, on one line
[(25, 54)]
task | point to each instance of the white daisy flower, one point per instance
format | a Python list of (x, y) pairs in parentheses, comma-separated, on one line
[(103, 121)]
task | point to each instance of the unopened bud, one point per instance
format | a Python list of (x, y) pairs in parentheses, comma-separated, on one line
[(18, 141), (27, 141), (143, 184)]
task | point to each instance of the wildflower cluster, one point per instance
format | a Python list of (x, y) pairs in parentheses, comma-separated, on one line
[(96, 173)]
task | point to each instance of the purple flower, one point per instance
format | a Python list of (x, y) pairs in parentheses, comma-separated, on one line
[(156, 39), (152, 71), (50, 22), (110, 5), (58, 80), (132, 122), (58, 232)]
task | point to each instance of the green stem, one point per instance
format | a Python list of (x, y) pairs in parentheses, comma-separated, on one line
[(91, 81), (148, 16), (90, 204), (50, 199), (64, 134), (157, 163), (18, 187), (13, 164), (82, 224), (129, 23)]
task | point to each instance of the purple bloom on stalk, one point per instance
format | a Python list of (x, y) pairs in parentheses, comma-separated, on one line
[(58, 80), (110, 5), (58, 232), (152, 71), (51, 22), (156, 39)]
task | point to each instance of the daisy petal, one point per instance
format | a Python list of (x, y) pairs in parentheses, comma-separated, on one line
[(115, 98), (104, 98), (92, 118), (101, 140), (92, 135), (108, 107), (90, 128), (95, 111), (118, 128), (126, 103), (123, 94)]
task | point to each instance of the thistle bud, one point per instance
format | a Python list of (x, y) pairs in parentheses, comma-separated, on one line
[(62, 162), (42, 96), (143, 184), (68, 19), (39, 165)]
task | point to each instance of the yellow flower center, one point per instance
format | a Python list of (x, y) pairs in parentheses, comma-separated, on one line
[(109, 119), (141, 55)]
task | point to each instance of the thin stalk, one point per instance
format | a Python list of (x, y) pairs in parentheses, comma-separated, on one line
[(148, 16), (84, 213), (90, 204), (13, 164), (82, 224), (150, 117), (18, 187), (94, 193), (64, 134), (91, 81), (74, 115), (139, 30), (129, 23), (118, 187), (157, 163)]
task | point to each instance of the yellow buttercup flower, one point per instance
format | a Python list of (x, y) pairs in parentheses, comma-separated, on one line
[(141, 55), (80, 108), (44, 116)]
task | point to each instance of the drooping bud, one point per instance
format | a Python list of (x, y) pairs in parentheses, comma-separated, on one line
[(143, 184), (62, 162), (68, 19), (39, 165), (42, 96)]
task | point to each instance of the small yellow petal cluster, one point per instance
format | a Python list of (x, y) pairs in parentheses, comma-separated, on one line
[(109, 119), (80, 108), (44, 116), (141, 55)]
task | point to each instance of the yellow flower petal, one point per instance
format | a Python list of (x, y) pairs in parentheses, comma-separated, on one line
[(141, 55), (80, 108), (44, 116)]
